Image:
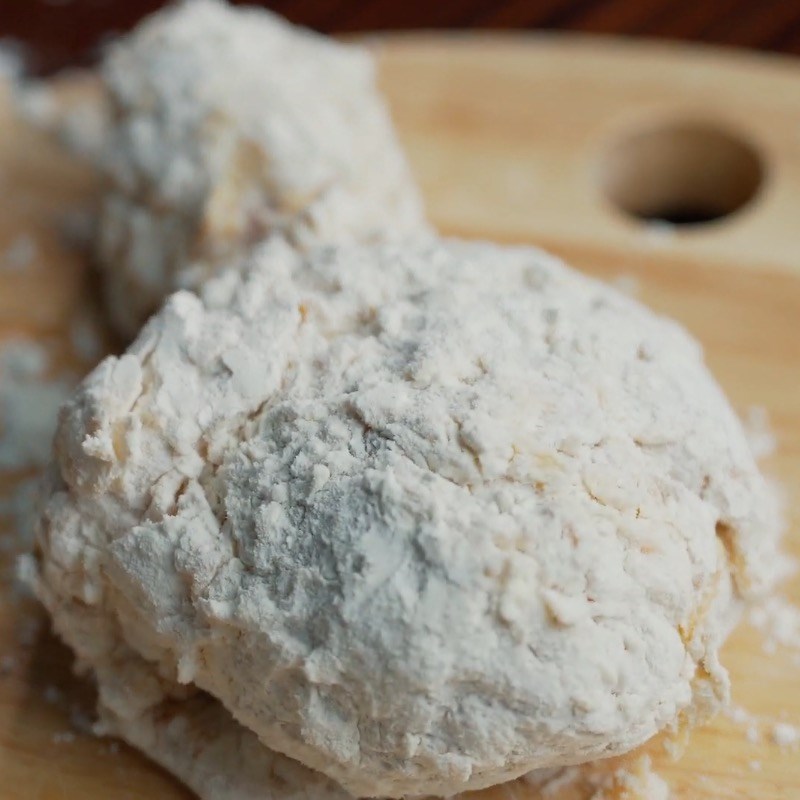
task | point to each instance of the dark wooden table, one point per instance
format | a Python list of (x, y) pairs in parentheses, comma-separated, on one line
[(64, 32)]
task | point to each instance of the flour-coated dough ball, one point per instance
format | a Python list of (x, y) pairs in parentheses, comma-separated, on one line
[(230, 124), (423, 517)]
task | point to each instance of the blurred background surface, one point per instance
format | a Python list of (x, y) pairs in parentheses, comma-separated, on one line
[(67, 32)]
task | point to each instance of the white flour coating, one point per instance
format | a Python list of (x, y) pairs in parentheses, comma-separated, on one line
[(229, 125), (200, 743), (423, 517)]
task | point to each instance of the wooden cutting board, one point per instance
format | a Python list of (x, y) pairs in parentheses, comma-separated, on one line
[(547, 140)]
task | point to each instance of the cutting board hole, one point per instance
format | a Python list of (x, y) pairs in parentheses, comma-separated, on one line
[(684, 174)]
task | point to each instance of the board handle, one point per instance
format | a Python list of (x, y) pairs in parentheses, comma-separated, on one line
[(682, 173)]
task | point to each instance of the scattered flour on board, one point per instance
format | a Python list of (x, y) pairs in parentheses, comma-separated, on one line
[(52, 695), (84, 128), (29, 403), (81, 125), (80, 720), (785, 735), (744, 719), (644, 784), (30, 396), (37, 103), (775, 617), (758, 729), (778, 620), (32, 389), (738, 715), (19, 255), (635, 781)]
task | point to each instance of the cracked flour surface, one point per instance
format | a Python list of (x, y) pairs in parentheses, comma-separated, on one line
[(423, 517)]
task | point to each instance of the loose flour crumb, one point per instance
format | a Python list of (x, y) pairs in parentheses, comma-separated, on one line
[(760, 435), (738, 715), (52, 695), (23, 358), (19, 255), (634, 781), (80, 720), (63, 737), (778, 620), (83, 129), (755, 766), (81, 124), (640, 784), (36, 103), (778, 731), (785, 735)]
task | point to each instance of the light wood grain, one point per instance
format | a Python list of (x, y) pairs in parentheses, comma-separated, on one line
[(507, 136)]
